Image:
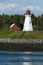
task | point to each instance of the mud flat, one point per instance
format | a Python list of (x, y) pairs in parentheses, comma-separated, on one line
[(21, 44)]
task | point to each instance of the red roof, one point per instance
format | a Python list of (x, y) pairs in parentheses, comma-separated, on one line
[(27, 12)]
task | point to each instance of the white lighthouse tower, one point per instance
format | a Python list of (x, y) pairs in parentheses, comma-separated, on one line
[(28, 22)]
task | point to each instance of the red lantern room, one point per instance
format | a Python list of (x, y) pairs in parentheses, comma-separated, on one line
[(27, 12)]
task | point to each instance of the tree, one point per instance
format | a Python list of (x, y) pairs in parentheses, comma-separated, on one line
[(0, 21), (34, 21), (16, 19)]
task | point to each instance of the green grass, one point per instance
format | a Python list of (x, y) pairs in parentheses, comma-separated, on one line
[(17, 34)]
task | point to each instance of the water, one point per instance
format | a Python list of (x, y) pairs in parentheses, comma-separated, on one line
[(21, 58)]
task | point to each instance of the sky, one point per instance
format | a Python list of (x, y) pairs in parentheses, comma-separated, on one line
[(20, 6)]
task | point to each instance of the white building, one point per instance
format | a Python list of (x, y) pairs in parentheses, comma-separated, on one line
[(28, 22)]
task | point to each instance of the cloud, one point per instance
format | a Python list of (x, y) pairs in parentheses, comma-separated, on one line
[(11, 8), (33, 8), (7, 7)]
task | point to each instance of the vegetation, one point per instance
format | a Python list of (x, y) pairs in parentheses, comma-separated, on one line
[(17, 34), (7, 20)]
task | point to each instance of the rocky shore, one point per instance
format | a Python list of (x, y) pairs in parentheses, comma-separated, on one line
[(21, 44), (28, 41)]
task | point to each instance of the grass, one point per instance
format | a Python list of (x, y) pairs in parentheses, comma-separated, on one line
[(17, 34)]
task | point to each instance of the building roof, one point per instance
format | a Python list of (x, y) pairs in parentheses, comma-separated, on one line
[(27, 12), (12, 25)]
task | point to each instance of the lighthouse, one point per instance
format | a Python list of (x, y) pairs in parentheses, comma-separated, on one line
[(28, 22)]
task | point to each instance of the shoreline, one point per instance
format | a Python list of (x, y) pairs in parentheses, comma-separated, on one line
[(27, 41), (21, 45)]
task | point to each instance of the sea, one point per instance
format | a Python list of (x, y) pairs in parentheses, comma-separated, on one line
[(21, 58)]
